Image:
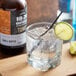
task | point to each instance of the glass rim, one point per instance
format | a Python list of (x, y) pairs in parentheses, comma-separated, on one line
[(34, 24), (29, 26)]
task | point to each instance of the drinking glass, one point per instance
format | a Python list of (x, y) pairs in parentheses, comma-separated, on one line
[(43, 52)]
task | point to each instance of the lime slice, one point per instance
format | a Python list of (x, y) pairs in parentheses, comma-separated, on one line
[(63, 30), (73, 48)]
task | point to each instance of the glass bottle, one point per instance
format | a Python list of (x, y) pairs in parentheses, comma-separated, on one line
[(73, 40), (65, 7), (13, 16)]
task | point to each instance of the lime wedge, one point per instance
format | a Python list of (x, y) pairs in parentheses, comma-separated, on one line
[(73, 48), (63, 30)]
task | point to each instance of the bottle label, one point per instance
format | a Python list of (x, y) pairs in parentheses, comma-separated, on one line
[(12, 27)]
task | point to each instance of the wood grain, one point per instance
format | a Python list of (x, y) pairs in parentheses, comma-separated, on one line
[(41, 10), (18, 66)]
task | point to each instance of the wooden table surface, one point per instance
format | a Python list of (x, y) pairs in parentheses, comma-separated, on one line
[(18, 66)]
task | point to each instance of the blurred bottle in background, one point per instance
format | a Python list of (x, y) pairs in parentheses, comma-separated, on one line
[(65, 7), (73, 40), (13, 22), (74, 20), (74, 17)]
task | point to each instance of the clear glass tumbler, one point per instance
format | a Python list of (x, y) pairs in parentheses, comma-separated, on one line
[(43, 52)]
